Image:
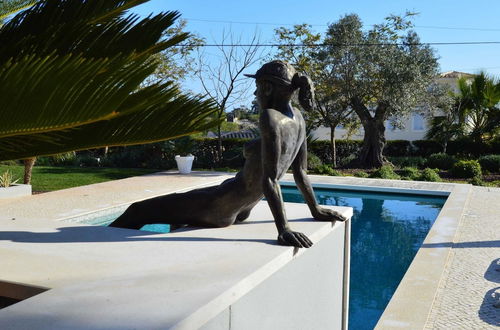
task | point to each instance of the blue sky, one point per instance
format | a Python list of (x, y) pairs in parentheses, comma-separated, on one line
[(438, 21)]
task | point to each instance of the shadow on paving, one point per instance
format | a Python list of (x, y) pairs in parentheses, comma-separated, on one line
[(489, 311), (93, 234)]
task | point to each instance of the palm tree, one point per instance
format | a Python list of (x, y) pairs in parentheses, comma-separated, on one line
[(71, 74), (478, 106)]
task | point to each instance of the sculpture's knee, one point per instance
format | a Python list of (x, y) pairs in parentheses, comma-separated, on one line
[(129, 219), (224, 222), (243, 215)]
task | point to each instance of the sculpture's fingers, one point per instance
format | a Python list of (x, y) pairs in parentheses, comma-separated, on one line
[(306, 242), (340, 217), (294, 240), (288, 239)]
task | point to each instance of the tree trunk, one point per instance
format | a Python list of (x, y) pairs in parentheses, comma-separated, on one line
[(333, 146), (373, 144), (28, 169), (219, 146)]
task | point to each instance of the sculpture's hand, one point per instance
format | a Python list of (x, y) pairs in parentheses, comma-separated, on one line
[(294, 238), (323, 214)]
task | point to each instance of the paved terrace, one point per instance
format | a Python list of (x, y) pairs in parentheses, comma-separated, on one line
[(459, 294)]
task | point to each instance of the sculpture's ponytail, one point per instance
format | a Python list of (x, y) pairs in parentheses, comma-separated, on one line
[(306, 90)]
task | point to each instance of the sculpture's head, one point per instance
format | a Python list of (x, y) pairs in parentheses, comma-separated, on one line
[(279, 79)]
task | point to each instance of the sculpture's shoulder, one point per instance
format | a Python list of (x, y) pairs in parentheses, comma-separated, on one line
[(272, 120)]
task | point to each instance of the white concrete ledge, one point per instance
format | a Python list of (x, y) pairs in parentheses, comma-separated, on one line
[(111, 278), (16, 190)]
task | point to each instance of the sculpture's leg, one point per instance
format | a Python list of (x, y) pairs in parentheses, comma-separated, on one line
[(167, 209), (131, 219)]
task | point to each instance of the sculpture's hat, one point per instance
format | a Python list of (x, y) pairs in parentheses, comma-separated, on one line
[(276, 71)]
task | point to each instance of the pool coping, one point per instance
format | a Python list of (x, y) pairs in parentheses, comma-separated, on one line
[(411, 304), (75, 279)]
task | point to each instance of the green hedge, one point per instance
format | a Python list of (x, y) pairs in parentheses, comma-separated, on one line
[(424, 148), (401, 153), (466, 169), (490, 163), (397, 148), (346, 149), (441, 161)]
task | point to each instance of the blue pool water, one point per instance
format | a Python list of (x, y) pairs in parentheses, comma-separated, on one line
[(386, 232), (105, 218)]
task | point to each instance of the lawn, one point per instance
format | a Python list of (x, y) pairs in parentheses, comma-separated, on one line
[(48, 178)]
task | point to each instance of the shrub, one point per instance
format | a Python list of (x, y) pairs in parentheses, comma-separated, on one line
[(326, 170), (441, 161), (466, 169), (429, 174), (408, 161), (361, 174), (385, 172), (7, 179), (313, 161), (490, 163), (346, 149), (409, 173), (397, 148), (477, 181), (425, 148), (10, 162), (87, 161), (465, 147)]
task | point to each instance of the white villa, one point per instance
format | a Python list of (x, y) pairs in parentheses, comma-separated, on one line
[(415, 126)]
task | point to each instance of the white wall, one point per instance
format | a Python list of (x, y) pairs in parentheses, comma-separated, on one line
[(412, 131)]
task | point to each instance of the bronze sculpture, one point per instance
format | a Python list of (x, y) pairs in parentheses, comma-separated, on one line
[(282, 145)]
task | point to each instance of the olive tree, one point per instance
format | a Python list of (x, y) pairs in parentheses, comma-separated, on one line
[(304, 50), (379, 74), (385, 73)]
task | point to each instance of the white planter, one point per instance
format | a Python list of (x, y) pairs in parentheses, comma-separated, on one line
[(16, 190), (184, 163)]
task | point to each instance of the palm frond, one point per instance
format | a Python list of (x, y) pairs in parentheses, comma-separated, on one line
[(181, 116), (70, 78), (43, 94), (9, 7)]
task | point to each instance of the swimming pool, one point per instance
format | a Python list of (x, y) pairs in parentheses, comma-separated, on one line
[(387, 231)]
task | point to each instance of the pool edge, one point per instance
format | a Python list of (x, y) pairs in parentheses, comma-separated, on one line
[(411, 305)]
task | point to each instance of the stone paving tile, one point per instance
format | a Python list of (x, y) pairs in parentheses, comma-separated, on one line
[(471, 282)]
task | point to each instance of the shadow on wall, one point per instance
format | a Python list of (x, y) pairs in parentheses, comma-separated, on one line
[(489, 311)]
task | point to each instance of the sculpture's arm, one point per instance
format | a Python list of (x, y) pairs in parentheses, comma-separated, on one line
[(271, 152), (299, 168)]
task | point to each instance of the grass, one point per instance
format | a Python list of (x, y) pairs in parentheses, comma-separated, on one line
[(47, 178)]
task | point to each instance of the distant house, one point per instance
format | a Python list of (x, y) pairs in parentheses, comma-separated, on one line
[(234, 135), (415, 125)]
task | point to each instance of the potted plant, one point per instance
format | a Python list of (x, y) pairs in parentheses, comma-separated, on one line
[(9, 187), (183, 157)]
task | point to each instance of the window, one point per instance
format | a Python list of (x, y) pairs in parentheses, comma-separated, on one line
[(389, 125), (418, 123)]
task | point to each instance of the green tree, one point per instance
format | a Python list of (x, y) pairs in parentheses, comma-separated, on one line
[(70, 78), (176, 63), (384, 72), (477, 103), (447, 123), (332, 107)]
